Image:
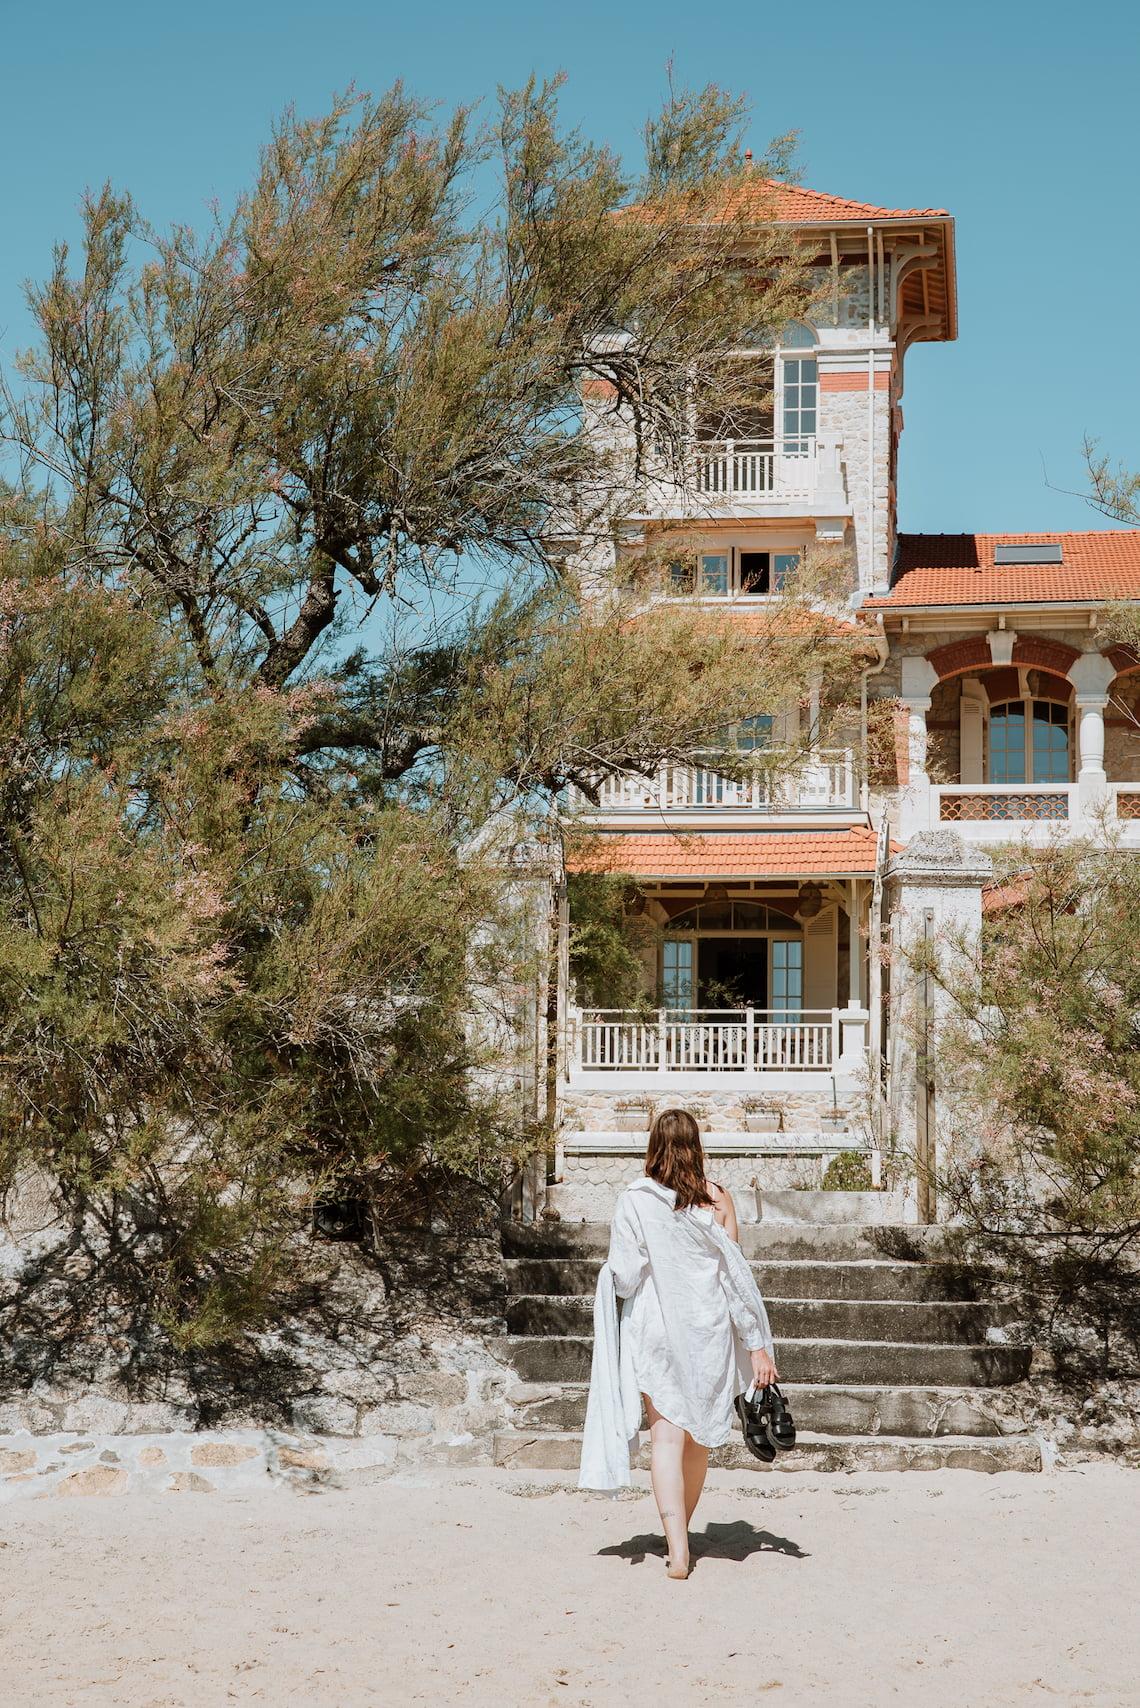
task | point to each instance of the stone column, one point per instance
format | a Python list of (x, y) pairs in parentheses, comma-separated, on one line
[(1091, 675), (933, 892)]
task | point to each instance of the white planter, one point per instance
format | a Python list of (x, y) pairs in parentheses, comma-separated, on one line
[(631, 1124), (762, 1123)]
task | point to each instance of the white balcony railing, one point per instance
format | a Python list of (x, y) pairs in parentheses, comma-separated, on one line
[(825, 781), (729, 1040), (752, 470)]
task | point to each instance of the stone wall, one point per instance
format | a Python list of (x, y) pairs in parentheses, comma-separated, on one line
[(845, 413), (398, 1355), (717, 1111)]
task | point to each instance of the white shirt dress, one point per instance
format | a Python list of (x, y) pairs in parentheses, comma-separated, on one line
[(690, 1313)]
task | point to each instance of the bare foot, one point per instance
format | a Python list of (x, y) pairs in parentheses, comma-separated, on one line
[(676, 1568)]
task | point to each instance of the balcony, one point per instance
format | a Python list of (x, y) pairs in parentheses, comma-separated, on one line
[(754, 478), (824, 783), (752, 470)]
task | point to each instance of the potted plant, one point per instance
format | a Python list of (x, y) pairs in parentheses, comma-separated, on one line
[(763, 1115), (632, 1115)]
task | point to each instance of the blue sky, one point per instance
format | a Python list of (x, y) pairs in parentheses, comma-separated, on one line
[(1020, 116)]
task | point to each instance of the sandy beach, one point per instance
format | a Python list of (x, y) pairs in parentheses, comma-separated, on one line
[(480, 1587)]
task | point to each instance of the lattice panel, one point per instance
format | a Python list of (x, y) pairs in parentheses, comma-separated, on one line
[(1128, 806), (1002, 808)]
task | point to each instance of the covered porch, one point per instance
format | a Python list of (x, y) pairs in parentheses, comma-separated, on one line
[(752, 979)]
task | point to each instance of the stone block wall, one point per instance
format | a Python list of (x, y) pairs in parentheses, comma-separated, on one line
[(717, 1111)]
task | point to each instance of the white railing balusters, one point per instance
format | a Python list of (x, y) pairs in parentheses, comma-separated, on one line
[(756, 468), (826, 780), (744, 1040)]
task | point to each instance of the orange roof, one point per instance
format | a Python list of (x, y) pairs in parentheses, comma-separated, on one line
[(959, 569), (730, 854), (792, 204)]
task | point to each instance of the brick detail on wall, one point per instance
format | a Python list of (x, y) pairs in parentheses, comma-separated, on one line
[(855, 380), (1045, 655), (599, 388), (1123, 658), (971, 653)]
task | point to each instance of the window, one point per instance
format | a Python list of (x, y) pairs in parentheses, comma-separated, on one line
[(755, 569), (801, 386), (784, 565), (714, 572), (788, 977), (1029, 742), (677, 973), (754, 733), (736, 571)]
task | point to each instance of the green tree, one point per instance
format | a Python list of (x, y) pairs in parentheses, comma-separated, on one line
[(296, 660), (1038, 1057)]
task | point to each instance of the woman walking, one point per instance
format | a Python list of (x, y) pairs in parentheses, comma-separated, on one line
[(693, 1331)]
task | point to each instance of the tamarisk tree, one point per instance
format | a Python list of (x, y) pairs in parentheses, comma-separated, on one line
[(293, 665)]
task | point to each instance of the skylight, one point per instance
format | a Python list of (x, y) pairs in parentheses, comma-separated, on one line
[(1044, 552)]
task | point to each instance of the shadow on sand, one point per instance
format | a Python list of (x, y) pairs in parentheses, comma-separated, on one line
[(735, 1541)]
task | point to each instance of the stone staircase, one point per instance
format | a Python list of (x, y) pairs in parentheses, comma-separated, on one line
[(888, 1359)]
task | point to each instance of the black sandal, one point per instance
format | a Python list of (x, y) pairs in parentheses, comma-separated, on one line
[(778, 1423), (754, 1424)]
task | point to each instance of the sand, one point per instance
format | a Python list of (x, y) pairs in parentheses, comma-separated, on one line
[(475, 1587)]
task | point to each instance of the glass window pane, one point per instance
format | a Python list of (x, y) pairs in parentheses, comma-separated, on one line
[(1007, 743), (677, 974), (714, 572), (754, 733), (786, 564), (787, 977)]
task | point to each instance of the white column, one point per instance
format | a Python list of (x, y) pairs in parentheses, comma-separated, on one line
[(918, 679), (1092, 783), (854, 1018), (1091, 675)]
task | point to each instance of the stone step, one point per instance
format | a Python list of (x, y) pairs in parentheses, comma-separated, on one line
[(761, 1240), (561, 1451), (940, 1322), (825, 1409), (566, 1358), (785, 1278)]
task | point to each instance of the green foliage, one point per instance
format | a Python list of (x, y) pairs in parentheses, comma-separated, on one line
[(1040, 1049), (608, 941), (849, 1171), (292, 671)]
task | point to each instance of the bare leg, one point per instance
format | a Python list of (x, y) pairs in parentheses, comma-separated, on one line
[(694, 1464), (668, 1477)]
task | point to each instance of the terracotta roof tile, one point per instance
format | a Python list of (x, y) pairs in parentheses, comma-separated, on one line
[(959, 569), (738, 854), (793, 204)]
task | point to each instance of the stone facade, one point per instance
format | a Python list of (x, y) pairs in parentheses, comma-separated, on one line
[(800, 1112)]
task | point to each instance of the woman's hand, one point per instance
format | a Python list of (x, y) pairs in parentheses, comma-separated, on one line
[(763, 1368)]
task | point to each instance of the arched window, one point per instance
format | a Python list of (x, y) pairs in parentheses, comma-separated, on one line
[(1029, 742)]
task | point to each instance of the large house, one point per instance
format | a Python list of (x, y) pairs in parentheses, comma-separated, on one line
[(767, 1007)]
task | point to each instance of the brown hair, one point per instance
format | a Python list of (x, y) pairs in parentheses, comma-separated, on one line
[(675, 1158)]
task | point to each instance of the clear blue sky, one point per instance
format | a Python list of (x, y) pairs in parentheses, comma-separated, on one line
[(1020, 116)]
